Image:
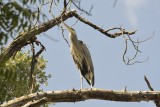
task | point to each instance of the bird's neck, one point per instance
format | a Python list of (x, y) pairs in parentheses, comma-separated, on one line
[(73, 40)]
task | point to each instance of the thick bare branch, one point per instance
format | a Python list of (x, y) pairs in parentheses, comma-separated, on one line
[(85, 94), (24, 37)]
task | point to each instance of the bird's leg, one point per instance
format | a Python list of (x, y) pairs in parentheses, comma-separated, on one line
[(91, 86), (81, 78)]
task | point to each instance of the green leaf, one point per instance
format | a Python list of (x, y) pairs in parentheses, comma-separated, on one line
[(14, 76), (16, 16)]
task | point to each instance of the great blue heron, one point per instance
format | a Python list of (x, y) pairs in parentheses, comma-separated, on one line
[(81, 57)]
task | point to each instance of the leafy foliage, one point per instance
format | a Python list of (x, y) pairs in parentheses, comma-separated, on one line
[(16, 16), (14, 76)]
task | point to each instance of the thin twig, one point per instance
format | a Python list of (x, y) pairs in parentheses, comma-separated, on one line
[(135, 55), (157, 102), (49, 37), (148, 83), (41, 50), (31, 86), (65, 6), (50, 9), (75, 23), (125, 51), (64, 37), (82, 10), (115, 28), (129, 63), (56, 3), (145, 39), (105, 32), (133, 43), (34, 61), (114, 4)]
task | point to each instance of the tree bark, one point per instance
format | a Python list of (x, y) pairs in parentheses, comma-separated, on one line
[(82, 95)]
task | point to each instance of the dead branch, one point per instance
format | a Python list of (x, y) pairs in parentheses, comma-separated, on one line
[(65, 6), (105, 32), (82, 95), (77, 4), (130, 61), (62, 29), (148, 83), (33, 63), (135, 44), (49, 37), (157, 102)]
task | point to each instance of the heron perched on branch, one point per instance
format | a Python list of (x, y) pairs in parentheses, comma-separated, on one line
[(81, 57)]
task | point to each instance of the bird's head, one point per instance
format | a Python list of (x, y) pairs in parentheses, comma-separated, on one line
[(71, 30)]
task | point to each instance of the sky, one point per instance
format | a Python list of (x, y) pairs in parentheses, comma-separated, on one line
[(110, 71)]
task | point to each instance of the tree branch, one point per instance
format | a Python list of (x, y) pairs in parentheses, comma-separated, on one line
[(148, 83), (105, 32), (77, 4), (36, 103), (24, 37), (82, 95)]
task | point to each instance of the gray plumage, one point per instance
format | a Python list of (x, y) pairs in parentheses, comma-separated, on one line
[(81, 57)]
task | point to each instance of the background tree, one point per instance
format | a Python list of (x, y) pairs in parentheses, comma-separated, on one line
[(14, 76), (15, 73), (66, 12), (16, 16)]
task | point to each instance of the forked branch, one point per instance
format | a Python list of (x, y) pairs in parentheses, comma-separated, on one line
[(103, 31), (77, 4), (135, 45)]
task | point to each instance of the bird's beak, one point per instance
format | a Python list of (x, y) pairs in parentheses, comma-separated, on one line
[(68, 28)]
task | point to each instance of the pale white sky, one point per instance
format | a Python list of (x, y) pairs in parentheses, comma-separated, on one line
[(131, 8)]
